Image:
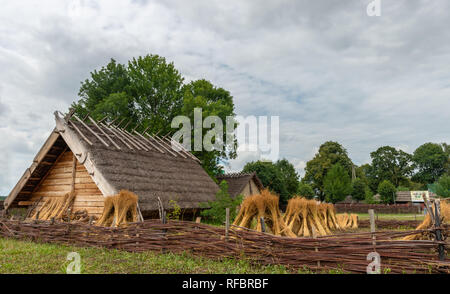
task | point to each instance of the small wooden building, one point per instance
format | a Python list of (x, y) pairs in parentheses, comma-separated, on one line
[(98, 160), (244, 184)]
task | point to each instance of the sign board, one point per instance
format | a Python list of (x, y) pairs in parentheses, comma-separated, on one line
[(418, 196)]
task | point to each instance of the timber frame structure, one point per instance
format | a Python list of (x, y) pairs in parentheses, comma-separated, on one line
[(98, 159)]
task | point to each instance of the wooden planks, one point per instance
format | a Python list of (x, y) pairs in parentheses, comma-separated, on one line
[(66, 174)]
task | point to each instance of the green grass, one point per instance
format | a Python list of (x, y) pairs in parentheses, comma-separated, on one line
[(29, 257), (399, 216)]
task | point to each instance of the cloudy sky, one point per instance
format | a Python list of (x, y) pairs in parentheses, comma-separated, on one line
[(327, 69)]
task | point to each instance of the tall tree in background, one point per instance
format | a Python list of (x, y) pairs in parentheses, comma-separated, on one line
[(149, 92), (337, 184), (305, 190), (330, 153), (389, 164), (214, 101), (443, 186), (358, 189), (279, 177), (431, 162)]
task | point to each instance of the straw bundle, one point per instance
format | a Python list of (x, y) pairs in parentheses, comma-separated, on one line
[(347, 221), (428, 223), (119, 209), (263, 205), (304, 216), (56, 207)]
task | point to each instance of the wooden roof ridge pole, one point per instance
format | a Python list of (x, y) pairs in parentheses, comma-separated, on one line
[(132, 142), (168, 147), (147, 140), (103, 132), (117, 135), (91, 130), (80, 133), (136, 140)]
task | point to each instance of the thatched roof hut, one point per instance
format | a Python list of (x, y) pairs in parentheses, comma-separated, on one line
[(101, 159), (244, 184)]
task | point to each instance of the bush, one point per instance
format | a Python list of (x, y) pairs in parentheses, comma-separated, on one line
[(368, 196), (443, 186), (175, 213), (387, 192), (216, 212), (305, 190)]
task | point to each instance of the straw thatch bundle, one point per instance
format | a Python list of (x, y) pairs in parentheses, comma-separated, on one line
[(428, 223), (55, 207), (119, 209), (263, 205), (308, 217), (347, 221)]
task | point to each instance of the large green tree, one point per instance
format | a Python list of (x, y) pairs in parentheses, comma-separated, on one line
[(389, 164), (358, 189), (148, 93), (443, 186), (431, 162), (337, 184), (279, 177), (330, 153), (305, 190)]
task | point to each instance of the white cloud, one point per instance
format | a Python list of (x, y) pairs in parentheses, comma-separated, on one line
[(327, 69)]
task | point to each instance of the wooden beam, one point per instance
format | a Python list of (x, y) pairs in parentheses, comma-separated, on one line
[(74, 173), (103, 132), (91, 130), (25, 203), (133, 139), (117, 135), (125, 137), (147, 140), (80, 133)]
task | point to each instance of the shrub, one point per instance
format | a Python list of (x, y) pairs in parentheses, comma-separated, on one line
[(216, 212), (337, 184), (387, 191), (358, 189), (443, 186)]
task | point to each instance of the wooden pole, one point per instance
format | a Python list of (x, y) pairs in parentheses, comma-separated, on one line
[(441, 247), (227, 222), (263, 225), (74, 173), (316, 249), (372, 227)]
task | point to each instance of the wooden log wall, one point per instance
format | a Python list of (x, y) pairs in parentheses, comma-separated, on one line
[(58, 182)]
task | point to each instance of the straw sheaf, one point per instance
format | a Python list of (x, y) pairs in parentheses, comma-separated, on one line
[(152, 174)]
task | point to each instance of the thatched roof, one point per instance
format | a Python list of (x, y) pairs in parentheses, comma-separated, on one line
[(238, 181), (143, 164)]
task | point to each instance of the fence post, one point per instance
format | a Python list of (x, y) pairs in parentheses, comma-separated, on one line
[(263, 225), (316, 249), (372, 228), (227, 222), (441, 248)]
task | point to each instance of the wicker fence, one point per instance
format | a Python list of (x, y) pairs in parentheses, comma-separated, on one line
[(379, 208), (347, 252)]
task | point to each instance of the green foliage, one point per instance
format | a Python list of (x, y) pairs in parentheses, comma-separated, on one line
[(442, 186), (280, 177), (387, 192), (149, 92), (337, 184), (358, 189), (389, 164), (175, 211), (330, 153), (305, 190), (368, 196), (214, 101), (216, 212), (401, 188), (431, 161)]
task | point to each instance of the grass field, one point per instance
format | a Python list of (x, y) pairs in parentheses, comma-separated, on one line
[(31, 258)]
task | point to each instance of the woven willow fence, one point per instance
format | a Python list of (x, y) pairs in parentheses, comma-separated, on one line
[(347, 252)]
